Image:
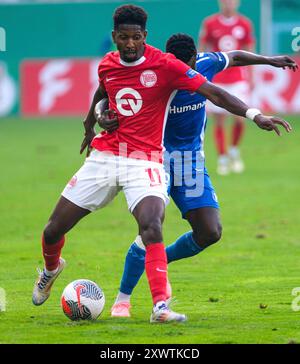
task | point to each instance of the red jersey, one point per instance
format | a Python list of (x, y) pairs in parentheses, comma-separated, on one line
[(223, 35), (140, 93)]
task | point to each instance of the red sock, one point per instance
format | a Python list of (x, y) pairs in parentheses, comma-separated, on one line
[(220, 139), (237, 132), (156, 269), (51, 253)]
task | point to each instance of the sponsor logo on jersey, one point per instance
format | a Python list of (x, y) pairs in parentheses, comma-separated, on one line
[(182, 109), (148, 78), (191, 73), (129, 101), (110, 79)]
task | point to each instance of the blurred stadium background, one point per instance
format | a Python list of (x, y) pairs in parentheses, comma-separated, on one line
[(52, 49)]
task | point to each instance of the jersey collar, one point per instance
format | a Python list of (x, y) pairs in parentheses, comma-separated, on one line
[(132, 64), (228, 21)]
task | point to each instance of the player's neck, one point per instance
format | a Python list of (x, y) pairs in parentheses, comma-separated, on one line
[(140, 59), (228, 17)]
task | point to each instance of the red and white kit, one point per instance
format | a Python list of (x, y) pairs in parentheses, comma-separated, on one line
[(130, 158), (224, 35)]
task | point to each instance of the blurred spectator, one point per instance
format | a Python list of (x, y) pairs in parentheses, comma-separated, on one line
[(225, 31)]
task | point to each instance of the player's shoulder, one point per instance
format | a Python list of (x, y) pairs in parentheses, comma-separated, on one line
[(211, 19), (211, 62), (159, 58), (209, 57), (243, 19), (156, 54), (109, 59)]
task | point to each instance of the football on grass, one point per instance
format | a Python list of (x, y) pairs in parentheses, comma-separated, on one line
[(82, 300)]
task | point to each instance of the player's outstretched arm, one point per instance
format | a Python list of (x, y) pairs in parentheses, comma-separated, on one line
[(234, 105), (90, 121), (243, 58)]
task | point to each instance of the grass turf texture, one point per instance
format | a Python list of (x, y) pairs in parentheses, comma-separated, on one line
[(238, 291)]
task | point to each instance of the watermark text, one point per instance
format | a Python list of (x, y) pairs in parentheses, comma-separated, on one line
[(2, 300), (296, 40), (2, 40)]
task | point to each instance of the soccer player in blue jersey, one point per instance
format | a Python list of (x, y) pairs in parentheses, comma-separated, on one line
[(185, 132)]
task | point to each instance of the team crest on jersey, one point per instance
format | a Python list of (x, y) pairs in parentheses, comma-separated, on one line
[(73, 181), (238, 32), (148, 78)]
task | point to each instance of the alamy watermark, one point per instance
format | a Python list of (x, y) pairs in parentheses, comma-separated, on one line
[(2, 300), (296, 301), (296, 40), (138, 169), (2, 40)]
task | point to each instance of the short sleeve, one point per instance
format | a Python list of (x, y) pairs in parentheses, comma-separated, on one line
[(182, 77), (221, 61)]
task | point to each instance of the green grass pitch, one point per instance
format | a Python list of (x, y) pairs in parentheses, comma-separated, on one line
[(237, 291)]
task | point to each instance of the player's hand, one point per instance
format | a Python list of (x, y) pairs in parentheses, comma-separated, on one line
[(108, 121), (283, 62), (89, 135), (270, 123)]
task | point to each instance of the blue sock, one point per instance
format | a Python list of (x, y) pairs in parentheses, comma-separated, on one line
[(133, 269), (184, 247)]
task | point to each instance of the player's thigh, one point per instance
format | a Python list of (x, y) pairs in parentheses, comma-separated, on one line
[(188, 197), (145, 189), (205, 222), (94, 185), (144, 180), (65, 215), (88, 190), (150, 208)]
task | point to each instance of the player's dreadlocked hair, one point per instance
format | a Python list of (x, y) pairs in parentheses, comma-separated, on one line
[(182, 46), (130, 14)]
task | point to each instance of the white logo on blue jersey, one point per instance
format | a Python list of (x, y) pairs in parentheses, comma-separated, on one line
[(187, 116), (181, 109)]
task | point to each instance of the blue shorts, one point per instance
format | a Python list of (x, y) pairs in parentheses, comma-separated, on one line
[(183, 194)]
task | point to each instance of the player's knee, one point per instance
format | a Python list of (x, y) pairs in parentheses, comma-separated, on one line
[(151, 231), (52, 233), (213, 236), (209, 237)]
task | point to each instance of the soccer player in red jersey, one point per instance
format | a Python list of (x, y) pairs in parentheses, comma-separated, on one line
[(223, 32), (139, 81)]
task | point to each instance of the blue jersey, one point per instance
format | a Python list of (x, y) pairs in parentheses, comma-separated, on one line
[(187, 116)]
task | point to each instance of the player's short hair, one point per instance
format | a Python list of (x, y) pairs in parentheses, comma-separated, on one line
[(130, 14), (182, 46)]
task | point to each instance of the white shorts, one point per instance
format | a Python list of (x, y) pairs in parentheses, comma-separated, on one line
[(103, 175), (239, 89)]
